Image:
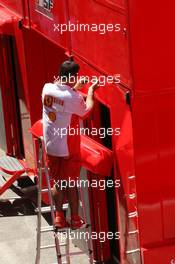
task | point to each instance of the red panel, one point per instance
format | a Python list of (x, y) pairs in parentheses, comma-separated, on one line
[(124, 153), (43, 20), (147, 170), (109, 51), (112, 3), (153, 55), (159, 255), (152, 42), (154, 152), (95, 157), (15, 5), (165, 176), (6, 21), (100, 221)]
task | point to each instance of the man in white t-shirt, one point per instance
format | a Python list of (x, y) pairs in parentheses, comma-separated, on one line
[(63, 105)]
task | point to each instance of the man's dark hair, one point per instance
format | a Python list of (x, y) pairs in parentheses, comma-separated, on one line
[(69, 68)]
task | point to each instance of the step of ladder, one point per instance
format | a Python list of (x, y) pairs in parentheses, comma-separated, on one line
[(53, 246), (79, 253), (132, 196), (10, 163), (46, 229), (63, 262), (11, 198), (132, 177), (47, 209), (136, 250), (133, 214), (44, 190), (133, 232)]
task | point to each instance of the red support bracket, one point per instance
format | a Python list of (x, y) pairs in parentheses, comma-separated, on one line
[(14, 176)]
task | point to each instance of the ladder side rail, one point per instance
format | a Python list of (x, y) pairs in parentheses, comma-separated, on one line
[(58, 251), (89, 241), (67, 248), (40, 158)]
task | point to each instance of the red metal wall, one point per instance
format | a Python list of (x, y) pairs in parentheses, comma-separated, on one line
[(45, 23), (113, 46), (16, 6), (143, 53), (152, 50)]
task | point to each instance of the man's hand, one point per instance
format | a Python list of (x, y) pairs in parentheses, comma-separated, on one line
[(80, 83), (90, 95), (94, 86)]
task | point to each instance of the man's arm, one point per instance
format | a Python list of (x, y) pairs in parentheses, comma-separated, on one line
[(82, 109), (90, 95)]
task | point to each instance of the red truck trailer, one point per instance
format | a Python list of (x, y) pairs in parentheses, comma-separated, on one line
[(138, 47)]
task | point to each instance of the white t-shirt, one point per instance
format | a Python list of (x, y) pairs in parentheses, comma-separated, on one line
[(60, 102)]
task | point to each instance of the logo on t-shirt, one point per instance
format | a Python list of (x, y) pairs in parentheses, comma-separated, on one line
[(52, 116), (48, 100)]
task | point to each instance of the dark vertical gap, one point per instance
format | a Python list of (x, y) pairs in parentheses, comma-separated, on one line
[(110, 192), (106, 123), (18, 113)]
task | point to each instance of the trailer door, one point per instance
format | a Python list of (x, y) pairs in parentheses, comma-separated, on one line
[(11, 139)]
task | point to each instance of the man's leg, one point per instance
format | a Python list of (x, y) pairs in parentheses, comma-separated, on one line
[(58, 194), (55, 166), (73, 199), (58, 191), (72, 195), (72, 167)]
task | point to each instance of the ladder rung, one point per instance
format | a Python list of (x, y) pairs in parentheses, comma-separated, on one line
[(44, 190), (47, 209), (63, 262), (74, 253), (67, 228), (46, 229), (53, 246), (133, 232), (132, 196), (131, 177), (133, 214), (11, 198), (47, 247), (83, 226), (133, 251)]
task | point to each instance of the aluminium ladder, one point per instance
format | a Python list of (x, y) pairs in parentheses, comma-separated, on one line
[(42, 167)]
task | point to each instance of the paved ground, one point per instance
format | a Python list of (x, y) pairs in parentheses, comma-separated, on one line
[(18, 236)]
